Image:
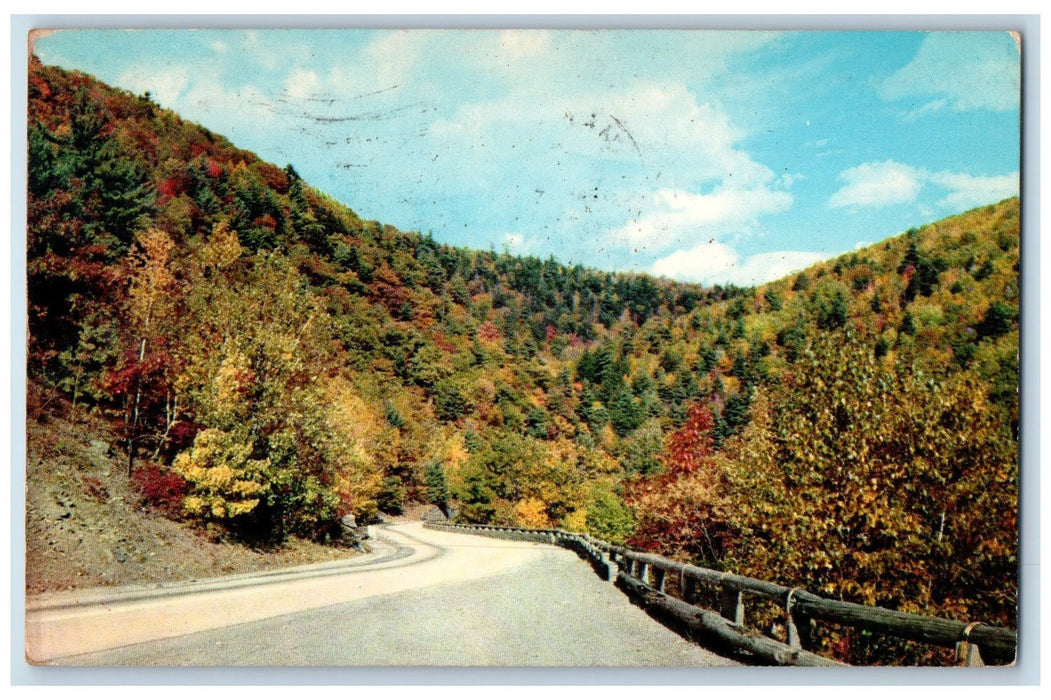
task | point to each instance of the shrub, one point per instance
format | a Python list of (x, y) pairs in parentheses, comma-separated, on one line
[(226, 482), (160, 489), (997, 321), (437, 485)]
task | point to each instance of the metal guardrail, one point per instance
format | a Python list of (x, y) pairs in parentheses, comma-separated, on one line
[(645, 577)]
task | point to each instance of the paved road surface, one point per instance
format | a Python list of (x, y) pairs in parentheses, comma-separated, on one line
[(426, 598)]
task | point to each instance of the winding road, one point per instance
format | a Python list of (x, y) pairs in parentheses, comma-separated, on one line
[(421, 598)]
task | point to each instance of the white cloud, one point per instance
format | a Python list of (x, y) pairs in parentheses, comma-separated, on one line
[(971, 70), (227, 110), (716, 263), (576, 62), (514, 240), (588, 135), (677, 216), (877, 184), (164, 86), (262, 50), (598, 153), (887, 183), (643, 122), (767, 267), (969, 191), (701, 263), (645, 165), (302, 83)]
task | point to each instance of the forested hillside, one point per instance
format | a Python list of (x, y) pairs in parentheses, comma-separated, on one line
[(276, 362)]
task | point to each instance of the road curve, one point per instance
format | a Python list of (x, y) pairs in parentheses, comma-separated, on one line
[(423, 598)]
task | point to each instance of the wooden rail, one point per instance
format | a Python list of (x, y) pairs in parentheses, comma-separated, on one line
[(645, 578)]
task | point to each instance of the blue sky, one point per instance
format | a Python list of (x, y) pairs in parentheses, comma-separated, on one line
[(708, 156)]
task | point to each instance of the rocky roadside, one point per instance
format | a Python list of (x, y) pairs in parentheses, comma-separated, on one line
[(86, 525)]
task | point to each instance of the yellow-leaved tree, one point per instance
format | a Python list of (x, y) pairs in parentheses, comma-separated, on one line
[(353, 436), (225, 481), (144, 378)]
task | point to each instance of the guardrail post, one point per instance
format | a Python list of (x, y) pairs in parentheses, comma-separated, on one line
[(689, 588), (644, 573), (609, 565), (794, 640), (800, 628), (967, 652), (732, 606)]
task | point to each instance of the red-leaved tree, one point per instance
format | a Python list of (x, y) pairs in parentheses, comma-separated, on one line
[(677, 508)]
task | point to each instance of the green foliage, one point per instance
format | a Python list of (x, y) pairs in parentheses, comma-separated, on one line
[(881, 348), (113, 195), (640, 451), (908, 324), (608, 518), (428, 366), (830, 305), (43, 175), (998, 320), (774, 298), (393, 416), (391, 497), (450, 402), (624, 412), (735, 414), (792, 339), (437, 485)]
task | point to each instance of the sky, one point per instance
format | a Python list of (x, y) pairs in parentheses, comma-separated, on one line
[(703, 156)]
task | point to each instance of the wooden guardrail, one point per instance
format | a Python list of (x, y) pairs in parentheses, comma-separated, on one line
[(670, 591)]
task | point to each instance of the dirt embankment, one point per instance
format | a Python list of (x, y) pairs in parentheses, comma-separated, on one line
[(86, 525)]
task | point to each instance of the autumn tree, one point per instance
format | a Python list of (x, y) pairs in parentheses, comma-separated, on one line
[(148, 370), (261, 368), (677, 509), (879, 484), (226, 483)]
